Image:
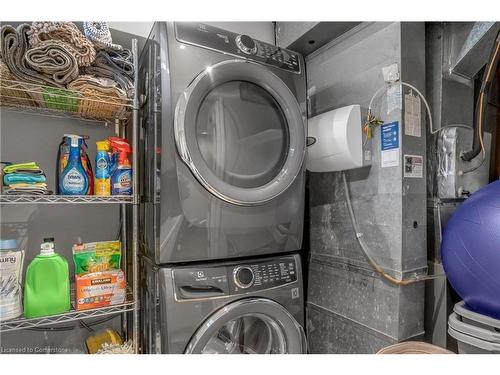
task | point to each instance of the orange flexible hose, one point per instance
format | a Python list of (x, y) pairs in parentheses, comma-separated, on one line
[(482, 96)]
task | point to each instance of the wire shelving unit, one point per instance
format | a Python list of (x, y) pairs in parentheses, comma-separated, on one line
[(50, 101), (70, 316), (65, 199), (55, 102)]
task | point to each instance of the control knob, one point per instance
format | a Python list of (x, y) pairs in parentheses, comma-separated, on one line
[(246, 44), (243, 277)]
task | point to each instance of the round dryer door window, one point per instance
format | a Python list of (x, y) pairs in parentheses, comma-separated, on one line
[(249, 326), (239, 129)]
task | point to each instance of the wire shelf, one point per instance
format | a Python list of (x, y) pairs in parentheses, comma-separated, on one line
[(70, 316), (55, 102), (65, 199)]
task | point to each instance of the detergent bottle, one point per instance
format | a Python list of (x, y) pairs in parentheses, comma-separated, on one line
[(63, 156), (102, 183), (121, 175), (87, 166), (46, 288), (115, 142), (11, 268), (74, 179)]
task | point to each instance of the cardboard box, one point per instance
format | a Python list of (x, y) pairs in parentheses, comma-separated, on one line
[(100, 289)]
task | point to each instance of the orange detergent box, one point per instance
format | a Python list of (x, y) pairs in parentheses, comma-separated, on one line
[(100, 289)]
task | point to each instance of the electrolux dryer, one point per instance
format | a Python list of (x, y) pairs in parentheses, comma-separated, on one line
[(239, 307), (223, 120)]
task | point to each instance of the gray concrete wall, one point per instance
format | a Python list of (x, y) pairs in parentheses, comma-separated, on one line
[(390, 209)]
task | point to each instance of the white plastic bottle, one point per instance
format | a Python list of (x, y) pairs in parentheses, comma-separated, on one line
[(11, 266)]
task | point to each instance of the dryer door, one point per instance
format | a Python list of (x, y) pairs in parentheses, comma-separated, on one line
[(249, 326), (239, 129)]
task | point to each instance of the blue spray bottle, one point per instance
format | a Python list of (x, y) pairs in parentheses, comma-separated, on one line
[(74, 180)]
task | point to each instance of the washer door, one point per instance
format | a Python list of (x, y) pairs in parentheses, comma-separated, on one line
[(240, 130), (249, 326)]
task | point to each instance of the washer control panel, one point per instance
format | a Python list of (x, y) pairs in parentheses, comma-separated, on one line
[(230, 279), (256, 276), (240, 45)]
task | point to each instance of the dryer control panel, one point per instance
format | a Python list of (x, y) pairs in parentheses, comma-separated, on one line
[(240, 45), (231, 279)]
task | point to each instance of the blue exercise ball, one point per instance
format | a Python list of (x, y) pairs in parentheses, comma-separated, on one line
[(471, 250)]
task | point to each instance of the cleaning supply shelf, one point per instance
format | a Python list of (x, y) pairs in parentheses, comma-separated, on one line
[(70, 316), (66, 199), (50, 101), (93, 98)]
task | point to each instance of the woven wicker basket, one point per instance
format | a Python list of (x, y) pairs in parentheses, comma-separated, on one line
[(11, 96), (88, 96), (95, 105), (99, 102)]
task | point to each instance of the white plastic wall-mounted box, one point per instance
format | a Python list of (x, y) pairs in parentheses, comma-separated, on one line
[(337, 142)]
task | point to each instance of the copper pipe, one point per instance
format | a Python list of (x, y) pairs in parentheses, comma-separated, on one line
[(485, 88), (496, 170)]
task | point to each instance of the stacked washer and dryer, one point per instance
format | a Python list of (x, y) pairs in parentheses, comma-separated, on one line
[(224, 137)]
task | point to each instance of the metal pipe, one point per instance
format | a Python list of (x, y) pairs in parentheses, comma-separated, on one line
[(135, 206), (124, 241)]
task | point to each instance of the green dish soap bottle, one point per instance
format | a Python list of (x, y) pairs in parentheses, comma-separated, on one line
[(46, 289)]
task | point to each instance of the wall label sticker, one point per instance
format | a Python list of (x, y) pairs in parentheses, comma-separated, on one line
[(389, 145), (394, 99), (413, 123), (413, 166)]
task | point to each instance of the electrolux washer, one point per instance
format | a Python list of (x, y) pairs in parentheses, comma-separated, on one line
[(223, 120), (230, 307)]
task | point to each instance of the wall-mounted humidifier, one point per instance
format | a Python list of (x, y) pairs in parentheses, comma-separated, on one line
[(336, 141)]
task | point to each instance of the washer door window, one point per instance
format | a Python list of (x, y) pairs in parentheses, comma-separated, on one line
[(240, 131), (249, 326)]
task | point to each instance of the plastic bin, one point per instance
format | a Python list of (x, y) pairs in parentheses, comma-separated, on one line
[(471, 317), (475, 333), (472, 345), (490, 334)]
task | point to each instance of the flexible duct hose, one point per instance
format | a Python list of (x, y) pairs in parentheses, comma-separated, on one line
[(366, 251), (489, 74)]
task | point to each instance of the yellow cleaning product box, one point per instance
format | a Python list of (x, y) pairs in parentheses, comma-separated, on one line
[(100, 289)]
